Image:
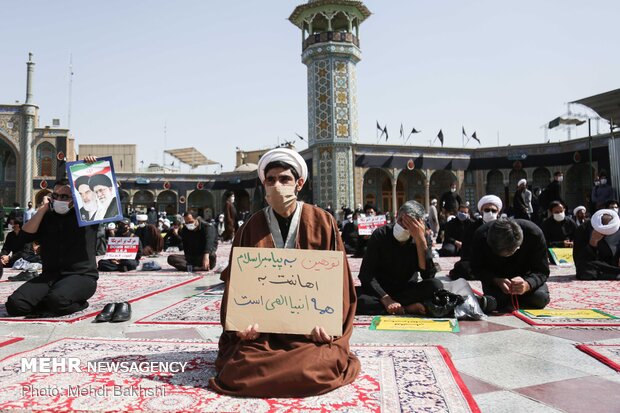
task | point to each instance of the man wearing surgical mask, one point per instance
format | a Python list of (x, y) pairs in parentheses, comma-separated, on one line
[(489, 207), (559, 230), (554, 190), (510, 258), (454, 234), (244, 356), (396, 254), (602, 192), (199, 240), (69, 276)]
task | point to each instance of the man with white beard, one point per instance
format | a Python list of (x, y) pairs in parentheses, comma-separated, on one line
[(101, 185), (89, 201)]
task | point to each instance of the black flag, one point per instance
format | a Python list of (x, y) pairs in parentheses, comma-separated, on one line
[(402, 132), (475, 138), (299, 136), (464, 134), (379, 127), (385, 131), (440, 136), (414, 131)]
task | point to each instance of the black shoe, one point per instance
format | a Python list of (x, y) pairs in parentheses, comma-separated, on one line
[(106, 314), (23, 276), (122, 312), (488, 303)]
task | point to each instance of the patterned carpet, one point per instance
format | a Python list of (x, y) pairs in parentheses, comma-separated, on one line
[(393, 379), (110, 289), (606, 353)]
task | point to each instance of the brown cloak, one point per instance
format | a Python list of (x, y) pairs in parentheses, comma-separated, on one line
[(288, 365)]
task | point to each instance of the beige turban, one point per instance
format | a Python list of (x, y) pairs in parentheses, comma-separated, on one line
[(288, 156)]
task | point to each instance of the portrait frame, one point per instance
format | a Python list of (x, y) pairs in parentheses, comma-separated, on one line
[(98, 174)]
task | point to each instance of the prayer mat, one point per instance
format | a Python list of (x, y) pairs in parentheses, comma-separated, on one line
[(204, 309), (606, 353), (579, 318), (5, 341), (393, 379), (110, 289)]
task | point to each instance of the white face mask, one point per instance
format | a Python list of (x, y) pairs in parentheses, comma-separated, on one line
[(61, 207), (142, 224), (560, 178), (191, 226), (489, 216), (400, 233), (559, 217), (452, 189), (603, 181), (280, 197)]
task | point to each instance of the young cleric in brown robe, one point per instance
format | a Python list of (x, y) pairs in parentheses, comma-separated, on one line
[(251, 363)]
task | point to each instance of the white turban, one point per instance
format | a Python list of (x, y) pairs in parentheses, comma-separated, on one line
[(141, 217), (579, 208), (609, 229), (490, 199), (288, 156), (522, 182)]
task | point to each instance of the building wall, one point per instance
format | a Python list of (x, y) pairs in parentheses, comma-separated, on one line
[(123, 156)]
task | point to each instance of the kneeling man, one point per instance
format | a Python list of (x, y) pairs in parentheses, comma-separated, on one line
[(597, 247), (510, 258)]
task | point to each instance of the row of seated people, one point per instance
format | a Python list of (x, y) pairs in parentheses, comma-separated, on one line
[(17, 254), (196, 238), (595, 256)]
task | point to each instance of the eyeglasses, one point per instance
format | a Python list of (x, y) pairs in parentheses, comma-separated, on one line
[(490, 210), (61, 197)]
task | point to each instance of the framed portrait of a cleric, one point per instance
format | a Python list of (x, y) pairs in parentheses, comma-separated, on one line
[(95, 192)]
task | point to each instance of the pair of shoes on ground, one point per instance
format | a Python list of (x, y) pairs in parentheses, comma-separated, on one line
[(488, 303), (114, 313), (24, 276)]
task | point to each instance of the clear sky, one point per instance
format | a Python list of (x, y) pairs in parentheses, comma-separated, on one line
[(226, 74)]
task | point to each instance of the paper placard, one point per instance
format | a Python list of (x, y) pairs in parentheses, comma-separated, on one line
[(561, 256), (447, 325), (561, 313), (122, 248), (285, 290), (366, 225)]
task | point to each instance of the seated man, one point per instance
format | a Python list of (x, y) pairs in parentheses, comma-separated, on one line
[(122, 230), (69, 276), (389, 272), (199, 245), (558, 229), (255, 364), (489, 206), (510, 258), (350, 234), (13, 249), (172, 238), (454, 233), (596, 250), (150, 236)]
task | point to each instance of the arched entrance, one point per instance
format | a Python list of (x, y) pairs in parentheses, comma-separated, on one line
[(38, 199), (376, 183), (8, 173), (541, 178), (167, 202), (46, 155), (143, 200), (578, 185), (413, 182), (124, 201), (200, 201), (440, 183), (495, 183)]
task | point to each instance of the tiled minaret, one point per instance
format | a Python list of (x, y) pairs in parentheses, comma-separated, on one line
[(29, 111), (330, 49)]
